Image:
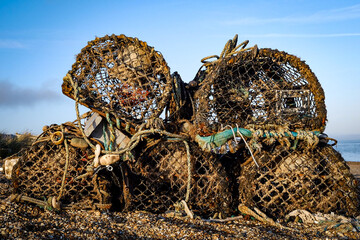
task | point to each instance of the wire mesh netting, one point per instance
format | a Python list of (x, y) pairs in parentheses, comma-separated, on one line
[(271, 87), (317, 180), (247, 130), (161, 179), (120, 75), (52, 168)]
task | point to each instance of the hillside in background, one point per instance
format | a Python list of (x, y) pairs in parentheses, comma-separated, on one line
[(11, 144)]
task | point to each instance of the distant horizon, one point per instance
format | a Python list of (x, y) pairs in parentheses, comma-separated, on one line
[(349, 137)]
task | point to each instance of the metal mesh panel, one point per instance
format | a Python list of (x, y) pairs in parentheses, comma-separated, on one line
[(120, 75), (271, 88), (161, 174), (40, 170), (316, 180)]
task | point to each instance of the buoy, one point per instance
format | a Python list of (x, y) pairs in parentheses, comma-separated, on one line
[(8, 166), (106, 159)]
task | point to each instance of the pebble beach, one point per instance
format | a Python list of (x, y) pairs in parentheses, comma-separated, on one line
[(26, 221)]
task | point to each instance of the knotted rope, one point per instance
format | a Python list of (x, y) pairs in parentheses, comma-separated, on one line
[(229, 50)]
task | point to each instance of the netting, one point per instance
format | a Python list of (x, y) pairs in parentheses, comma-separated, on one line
[(317, 180), (269, 87), (161, 179), (120, 75), (247, 130), (57, 166)]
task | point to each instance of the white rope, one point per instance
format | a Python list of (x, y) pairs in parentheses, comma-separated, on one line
[(252, 155), (232, 129)]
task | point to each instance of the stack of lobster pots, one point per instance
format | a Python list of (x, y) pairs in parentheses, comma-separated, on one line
[(247, 130)]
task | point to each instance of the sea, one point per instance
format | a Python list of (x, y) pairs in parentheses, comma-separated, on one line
[(349, 149)]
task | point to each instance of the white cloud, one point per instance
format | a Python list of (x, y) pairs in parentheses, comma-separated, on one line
[(287, 35), (10, 44), (347, 13)]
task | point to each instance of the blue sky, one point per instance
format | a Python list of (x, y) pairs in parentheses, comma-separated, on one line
[(39, 41)]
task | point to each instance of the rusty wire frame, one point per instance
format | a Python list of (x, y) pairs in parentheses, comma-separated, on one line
[(272, 87), (120, 75)]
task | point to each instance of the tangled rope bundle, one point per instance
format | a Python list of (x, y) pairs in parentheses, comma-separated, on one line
[(247, 131)]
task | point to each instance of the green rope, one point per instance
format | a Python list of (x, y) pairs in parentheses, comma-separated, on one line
[(219, 139), (136, 138), (105, 137), (111, 130)]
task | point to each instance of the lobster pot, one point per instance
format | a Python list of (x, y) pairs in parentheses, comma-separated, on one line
[(120, 75), (162, 175), (316, 180), (47, 169), (270, 87)]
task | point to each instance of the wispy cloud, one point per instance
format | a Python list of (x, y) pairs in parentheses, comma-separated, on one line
[(10, 44), (12, 95), (286, 35), (339, 14)]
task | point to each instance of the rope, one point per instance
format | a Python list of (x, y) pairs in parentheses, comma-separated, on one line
[(111, 130), (232, 129), (118, 123), (263, 133), (188, 186), (66, 167), (229, 50), (187, 210), (308, 137), (238, 131), (136, 138), (134, 141), (105, 139), (76, 98)]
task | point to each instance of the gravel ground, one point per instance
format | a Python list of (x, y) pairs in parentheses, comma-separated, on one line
[(25, 221)]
